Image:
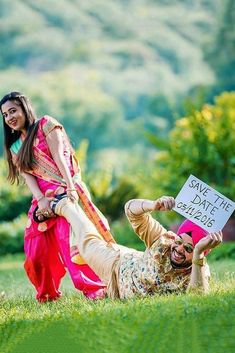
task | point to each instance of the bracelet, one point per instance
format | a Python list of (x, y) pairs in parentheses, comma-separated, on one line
[(68, 189), (40, 198), (142, 203), (200, 262)]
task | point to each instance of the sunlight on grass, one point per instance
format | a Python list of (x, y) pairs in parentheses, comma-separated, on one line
[(137, 325)]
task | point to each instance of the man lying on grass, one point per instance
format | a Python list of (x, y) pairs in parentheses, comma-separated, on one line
[(171, 263)]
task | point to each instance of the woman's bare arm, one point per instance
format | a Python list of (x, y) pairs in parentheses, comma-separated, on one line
[(56, 146), (43, 201)]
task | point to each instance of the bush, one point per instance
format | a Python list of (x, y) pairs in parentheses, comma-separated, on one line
[(12, 235), (110, 194), (12, 204), (14, 199), (223, 251), (124, 234), (201, 144)]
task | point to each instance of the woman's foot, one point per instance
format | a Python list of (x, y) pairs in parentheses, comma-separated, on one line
[(95, 295)]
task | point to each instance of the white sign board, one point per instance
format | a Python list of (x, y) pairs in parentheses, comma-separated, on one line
[(203, 205)]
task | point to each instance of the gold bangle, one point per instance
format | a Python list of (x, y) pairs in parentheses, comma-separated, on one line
[(129, 207), (142, 206), (68, 189), (199, 262)]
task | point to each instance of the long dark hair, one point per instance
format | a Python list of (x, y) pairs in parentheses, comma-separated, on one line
[(24, 159)]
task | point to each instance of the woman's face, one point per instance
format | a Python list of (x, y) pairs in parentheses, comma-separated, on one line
[(14, 116)]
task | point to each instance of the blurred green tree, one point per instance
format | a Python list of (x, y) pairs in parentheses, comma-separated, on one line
[(14, 200), (220, 52), (12, 235), (201, 144), (109, 192), (111, 202)]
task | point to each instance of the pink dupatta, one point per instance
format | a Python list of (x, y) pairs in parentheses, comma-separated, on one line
[(51, 182), (40, 238)]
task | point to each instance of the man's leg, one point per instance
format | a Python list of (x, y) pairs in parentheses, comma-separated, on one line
[(99, 255), (83, 277)]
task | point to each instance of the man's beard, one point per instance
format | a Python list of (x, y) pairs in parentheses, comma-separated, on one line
[(183, 264)]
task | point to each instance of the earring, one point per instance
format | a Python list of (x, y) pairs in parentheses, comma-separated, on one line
[(12, 131)]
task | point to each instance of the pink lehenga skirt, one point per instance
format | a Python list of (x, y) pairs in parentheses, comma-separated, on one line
[(48, 255)]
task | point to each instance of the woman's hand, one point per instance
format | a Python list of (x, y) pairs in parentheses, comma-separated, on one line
[(44, 208), (72, 195)]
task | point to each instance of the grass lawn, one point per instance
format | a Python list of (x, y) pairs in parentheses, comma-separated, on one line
[(158, 324)]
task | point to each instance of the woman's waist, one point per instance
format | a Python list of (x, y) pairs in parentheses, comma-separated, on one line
[(58, 186)]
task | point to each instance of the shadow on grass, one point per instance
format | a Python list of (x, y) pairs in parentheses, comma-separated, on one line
[(158, 324), (154, 324)]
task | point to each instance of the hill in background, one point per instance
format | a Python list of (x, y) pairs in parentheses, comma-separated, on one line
[(107, 70)]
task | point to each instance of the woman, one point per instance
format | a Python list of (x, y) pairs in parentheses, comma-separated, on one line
[(39, 150)]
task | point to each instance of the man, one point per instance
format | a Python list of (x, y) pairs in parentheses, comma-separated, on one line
[(170, 263)]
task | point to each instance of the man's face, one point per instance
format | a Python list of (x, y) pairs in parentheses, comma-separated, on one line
[(182, 251)]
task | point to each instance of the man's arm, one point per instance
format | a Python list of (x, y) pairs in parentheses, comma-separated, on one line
[(198, 279), (144, 225)]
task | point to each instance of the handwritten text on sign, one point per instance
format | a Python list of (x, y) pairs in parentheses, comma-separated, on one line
[(203, 205)]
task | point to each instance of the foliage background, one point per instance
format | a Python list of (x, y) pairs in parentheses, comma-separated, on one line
[(134, 83), (145, 90)]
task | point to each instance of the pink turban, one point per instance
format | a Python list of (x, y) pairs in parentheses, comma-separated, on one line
[(197, 232)]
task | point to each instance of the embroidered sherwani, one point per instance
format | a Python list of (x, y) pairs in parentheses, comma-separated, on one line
[(128, 272)]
